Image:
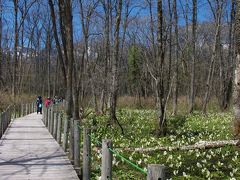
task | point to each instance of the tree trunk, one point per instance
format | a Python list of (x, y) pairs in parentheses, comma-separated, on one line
[(59, 50), (175, 75), (213, 57), (230, 69), (48, 47), (192, 83), (65, 21), (159, 85), (1, 55), (170, 44), (103, 100), (55, 83), (70, 58), (236, 95), (115, 61), (15, 49)]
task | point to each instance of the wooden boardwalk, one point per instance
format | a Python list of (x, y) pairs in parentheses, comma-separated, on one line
[(28, 151)]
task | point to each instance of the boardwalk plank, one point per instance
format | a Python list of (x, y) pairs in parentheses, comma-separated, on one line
[(29, 152)]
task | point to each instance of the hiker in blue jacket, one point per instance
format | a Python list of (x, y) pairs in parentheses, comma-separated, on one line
[(39, 104)]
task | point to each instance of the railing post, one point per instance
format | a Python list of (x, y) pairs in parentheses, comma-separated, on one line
[(1, 120), (106, 171), (52, 120), (65, 133), (22, 113), (26, 110), (30, 106), (16, 111), (71, 141), (55, 122), (46, 116), (9, 115), (76, 135), (4, 121), (59, 126), (33, 104), (86, 153), (156, 171), (7, 118), (49, 118)]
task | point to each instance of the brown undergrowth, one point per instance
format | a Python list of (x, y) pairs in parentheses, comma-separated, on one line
[(7, 99)]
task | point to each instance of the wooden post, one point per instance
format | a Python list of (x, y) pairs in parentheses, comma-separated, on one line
[(33, 104), (156, 171), (76, 134), (1, 119), (22, 112), (86, 153), (71, 141), (9, 114), (14, 111), (49, 118), (3, 122), (44, 116), (65, 134), (106, 172), (31, 110), (7, 118), (46, 120), (26, 110), (52, 120), (59, 126), (55, 123)]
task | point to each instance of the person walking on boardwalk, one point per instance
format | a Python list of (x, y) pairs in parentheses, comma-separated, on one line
[(47, 102), (39, 104)]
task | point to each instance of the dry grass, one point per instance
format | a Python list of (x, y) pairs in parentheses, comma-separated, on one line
[(134, 102), (149, 103), (131, 102), (6, 99)]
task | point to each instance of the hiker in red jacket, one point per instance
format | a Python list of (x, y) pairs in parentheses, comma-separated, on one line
[(47, 102)]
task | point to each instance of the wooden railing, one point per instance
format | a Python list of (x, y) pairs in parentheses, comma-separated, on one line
[(58, 125), (12, 112)]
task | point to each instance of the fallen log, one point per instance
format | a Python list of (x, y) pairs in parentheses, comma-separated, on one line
[(198, 145)]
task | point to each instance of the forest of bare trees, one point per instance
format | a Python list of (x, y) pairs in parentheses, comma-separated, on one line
[(98, 50)]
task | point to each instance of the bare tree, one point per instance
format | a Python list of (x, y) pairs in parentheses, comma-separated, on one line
[(217, 16), (115, 61), (65, 22), (16, 36), (86, 15), (107, 11), (176, 50), (236, 97), (1, 52), (192, 84)]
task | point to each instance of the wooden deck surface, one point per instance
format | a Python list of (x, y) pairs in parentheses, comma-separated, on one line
[(28, 151)]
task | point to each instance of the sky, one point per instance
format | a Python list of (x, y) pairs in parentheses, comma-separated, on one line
[(204, 13)]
